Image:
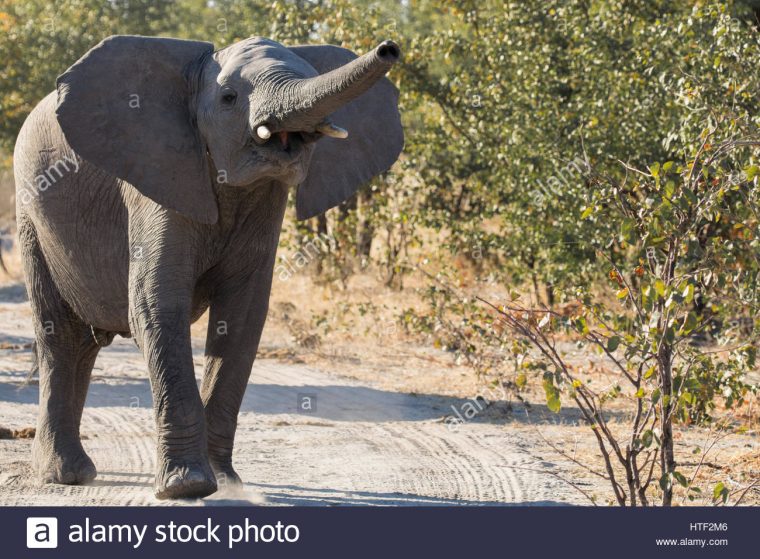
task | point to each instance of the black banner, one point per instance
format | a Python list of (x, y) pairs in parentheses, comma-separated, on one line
[(360, 532)]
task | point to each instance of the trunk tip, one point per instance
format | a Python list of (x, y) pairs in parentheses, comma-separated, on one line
[(389, 51)]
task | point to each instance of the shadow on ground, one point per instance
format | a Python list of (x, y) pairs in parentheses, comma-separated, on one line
[(294, 495), (13, 293), (331, 402)]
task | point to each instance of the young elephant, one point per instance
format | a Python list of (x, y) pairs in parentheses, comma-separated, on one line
[(151, 186)]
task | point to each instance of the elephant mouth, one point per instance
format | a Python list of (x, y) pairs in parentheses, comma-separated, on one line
[(288, 141), (284, 144)]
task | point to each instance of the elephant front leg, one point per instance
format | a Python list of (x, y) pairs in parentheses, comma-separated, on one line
[(183, 469), (236, 320), (161, 285)]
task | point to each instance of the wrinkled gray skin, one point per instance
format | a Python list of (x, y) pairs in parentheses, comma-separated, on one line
[(159, 201)]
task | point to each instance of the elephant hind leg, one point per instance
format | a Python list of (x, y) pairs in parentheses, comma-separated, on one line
[(66, 352)]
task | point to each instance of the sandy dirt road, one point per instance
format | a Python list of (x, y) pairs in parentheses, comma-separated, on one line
[(361, 445)]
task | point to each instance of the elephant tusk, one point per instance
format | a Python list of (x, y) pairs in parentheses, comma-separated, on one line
[(329, 129), (263, 132)]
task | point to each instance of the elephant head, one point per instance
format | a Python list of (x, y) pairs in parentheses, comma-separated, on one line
[(174, 117)]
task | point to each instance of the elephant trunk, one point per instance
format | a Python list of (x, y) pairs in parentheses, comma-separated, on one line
[(322, 95)]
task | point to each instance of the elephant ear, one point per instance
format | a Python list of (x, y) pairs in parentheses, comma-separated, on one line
[(375, 139), (125, 107)]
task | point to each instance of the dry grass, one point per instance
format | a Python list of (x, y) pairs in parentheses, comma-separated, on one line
[(26, 433), (7, 196)]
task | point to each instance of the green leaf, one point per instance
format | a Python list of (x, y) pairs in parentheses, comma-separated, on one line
[(554, 404), (670, 335), (521, 380), (628, 231), (751, 172), (689, 323), (581, 325), (688, 293), (720, 492), (659, 287), (665, 482), (613, 343), (681, 479), (646, 438), (552, 394), (690, 196)]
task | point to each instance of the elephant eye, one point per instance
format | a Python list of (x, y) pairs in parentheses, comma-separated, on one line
[(228, 97)]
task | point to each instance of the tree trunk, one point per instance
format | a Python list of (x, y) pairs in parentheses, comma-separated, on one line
[(321, 232), (665, 366), (667, 459), (366, 231), (550, 296)]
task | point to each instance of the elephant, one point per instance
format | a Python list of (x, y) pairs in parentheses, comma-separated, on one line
[(151, 187)]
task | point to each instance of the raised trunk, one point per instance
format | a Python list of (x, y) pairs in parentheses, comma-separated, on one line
[(322, 95)]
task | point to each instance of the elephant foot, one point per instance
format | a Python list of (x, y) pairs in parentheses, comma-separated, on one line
[(185, 480), (66, 465), (226, 476)]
